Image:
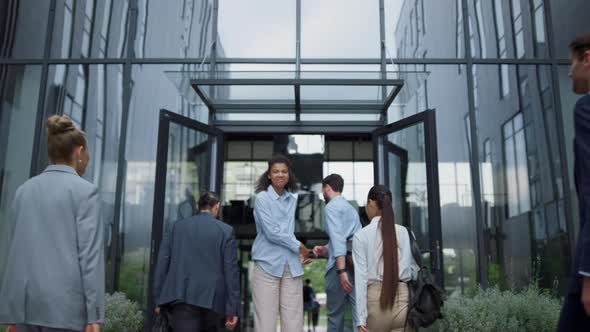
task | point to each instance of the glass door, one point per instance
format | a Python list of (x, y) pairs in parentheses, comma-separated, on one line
[(406, 161), (188, 162)]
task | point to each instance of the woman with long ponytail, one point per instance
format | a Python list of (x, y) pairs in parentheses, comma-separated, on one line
[(383, 265)]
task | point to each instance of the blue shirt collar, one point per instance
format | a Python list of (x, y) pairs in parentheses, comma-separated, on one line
[(286, 194), (60, 168)]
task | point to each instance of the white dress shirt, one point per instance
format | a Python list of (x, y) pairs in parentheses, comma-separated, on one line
[(367, 253)]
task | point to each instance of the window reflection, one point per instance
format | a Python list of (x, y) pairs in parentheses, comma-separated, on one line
[(19, 93), (89, 29)]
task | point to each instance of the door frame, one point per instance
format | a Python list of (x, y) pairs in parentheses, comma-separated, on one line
[(428, 118), (166, 118)]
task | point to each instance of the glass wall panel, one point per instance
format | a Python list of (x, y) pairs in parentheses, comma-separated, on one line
[(508, 29), (174, 29), (443, 88), (90, 29), (92, 96), (569, 21), (525, 233), (267, 31), (151, 91), (22, 28), (340, 29), (424, 29), (19, 94)]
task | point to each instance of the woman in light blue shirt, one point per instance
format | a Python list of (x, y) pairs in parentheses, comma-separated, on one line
[(277, 254)]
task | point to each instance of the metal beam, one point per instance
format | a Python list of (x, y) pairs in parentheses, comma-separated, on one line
[(205, 99), (323, 105), (294, 127), (297, 102), (390, 98), (291, 81), (481, 258), (292, 111)]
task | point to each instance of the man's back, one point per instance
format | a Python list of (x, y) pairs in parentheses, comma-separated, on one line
[(582, 180), (198, 265)]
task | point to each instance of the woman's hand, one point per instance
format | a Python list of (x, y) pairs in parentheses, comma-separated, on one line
[(363, 329), (303, 251), (306, 261), (304, 254)]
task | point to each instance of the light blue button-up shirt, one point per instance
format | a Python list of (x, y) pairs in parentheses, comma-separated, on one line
[(341, 221), (275, 245)]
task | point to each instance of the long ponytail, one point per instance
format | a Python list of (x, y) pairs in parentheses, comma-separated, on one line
[(382, 196)]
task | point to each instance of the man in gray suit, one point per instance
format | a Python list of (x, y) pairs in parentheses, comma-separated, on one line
[(196, 277)]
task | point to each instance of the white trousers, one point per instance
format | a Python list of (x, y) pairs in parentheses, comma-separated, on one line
[(273, 296)]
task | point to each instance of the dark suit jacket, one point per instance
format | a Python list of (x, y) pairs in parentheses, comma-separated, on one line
[(582, 179), (197, 264)]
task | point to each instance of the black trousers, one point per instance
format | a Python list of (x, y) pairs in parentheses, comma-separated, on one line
[(573, 317), (189, 318)]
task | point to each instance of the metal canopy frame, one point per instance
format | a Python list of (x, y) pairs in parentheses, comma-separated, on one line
[(297, 106)]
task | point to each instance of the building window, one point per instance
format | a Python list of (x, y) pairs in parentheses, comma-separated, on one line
[(104, 30), (87, 30), (459, 31), (422, 21), (518, 28), (516, 166), (501, 47), (480, 29), (538, 16)]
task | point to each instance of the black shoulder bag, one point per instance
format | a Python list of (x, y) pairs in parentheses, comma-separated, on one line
[(426, 297)]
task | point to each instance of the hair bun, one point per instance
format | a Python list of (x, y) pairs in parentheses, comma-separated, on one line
[(57, 125)]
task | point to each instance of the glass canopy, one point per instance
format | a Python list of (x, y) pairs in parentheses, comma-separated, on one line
[(240, 98)]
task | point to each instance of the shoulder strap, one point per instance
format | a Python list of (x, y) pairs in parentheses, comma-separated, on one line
[(415, 248)]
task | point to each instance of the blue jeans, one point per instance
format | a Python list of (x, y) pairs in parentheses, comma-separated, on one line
[(337, 300)]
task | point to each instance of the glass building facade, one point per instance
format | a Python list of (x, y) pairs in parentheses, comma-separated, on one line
[(493, 72)]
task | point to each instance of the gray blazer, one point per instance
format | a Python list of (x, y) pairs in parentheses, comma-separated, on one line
[(197, 264), (54, 273)]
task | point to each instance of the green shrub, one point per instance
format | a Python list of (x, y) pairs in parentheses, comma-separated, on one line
[(493, 310), (121, 314)]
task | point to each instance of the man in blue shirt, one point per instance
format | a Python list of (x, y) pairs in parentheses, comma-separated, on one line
[(341, 221)]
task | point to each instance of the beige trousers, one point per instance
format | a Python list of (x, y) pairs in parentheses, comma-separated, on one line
[(391, 320), (273, 296)]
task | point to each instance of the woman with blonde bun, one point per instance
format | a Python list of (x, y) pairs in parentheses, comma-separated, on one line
[(54, 276)]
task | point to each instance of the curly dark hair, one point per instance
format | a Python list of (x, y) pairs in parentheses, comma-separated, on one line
[(264, 181)]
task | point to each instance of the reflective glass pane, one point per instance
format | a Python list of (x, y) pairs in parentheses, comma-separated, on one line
[(508, 29), (523, 182), (569, 21), (92, 96), (424, 29), (174, 29), (327, 32), (267, 31), (339, 117), (151, 91), (19, 93), (24, 26), (444, 89), (256, 117), (253, 92), (90, 29), (341, 93)]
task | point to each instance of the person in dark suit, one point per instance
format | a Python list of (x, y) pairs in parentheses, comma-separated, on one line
[(575, 313), (196, 276)]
